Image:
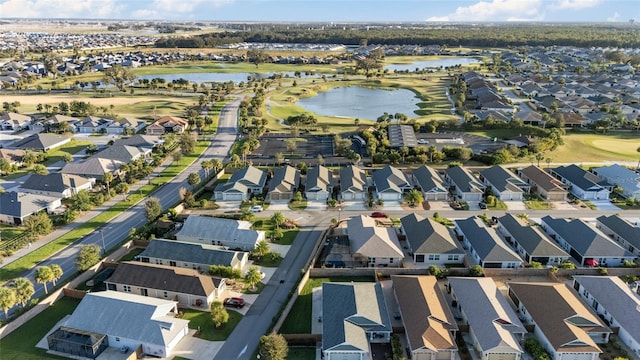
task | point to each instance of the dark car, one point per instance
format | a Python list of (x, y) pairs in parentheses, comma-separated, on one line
[(235, 302), (378, 214), (482, 205)]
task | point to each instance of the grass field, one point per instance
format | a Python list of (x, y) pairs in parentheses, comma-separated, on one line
[(21, 344), (202, 320), (301, 353), (228, 67), (584, 147)]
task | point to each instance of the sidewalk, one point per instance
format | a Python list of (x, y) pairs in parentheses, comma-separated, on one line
[(86, 216)]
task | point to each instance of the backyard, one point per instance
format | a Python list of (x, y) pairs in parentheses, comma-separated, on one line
[(201, 321)]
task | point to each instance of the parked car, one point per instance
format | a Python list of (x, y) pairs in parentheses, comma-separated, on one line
[(482, 205), (256, 208), (422, 141), (378, 214), (591, 262), (235, 302)]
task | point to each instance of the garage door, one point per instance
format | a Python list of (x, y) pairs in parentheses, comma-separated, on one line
[(502, 356), (233, 196), (347, 196), (344, 356), (443, 355), (576, 356), (389, 197)]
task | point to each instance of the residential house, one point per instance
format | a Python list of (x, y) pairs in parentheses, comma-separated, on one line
[(543, 184), (464, 185), (494, 327), (622, 231), (354, 315), (505, 185), (42, 142), (564, 325), (372, 245), (167, 124), (401, 135), (120, 320), (586, 244), (186, 286), (615, 303), (126, 125), (284, 183), (488, 249), (141, 141), (232, 234), (12, 156), (619, 175), (530, 242), (242, 183), (93, 167), (14, 121), (429, 325), (583, 184), (92, 125), (191, 256), (391, 183), (430, 242), (319, 183), (57, 184), (430, 183), (123, 153), (353, 183), (15, 207)]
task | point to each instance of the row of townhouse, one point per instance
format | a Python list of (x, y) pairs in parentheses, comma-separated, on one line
[(83, 125)]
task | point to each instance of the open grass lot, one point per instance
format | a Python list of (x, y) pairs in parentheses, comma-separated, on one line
[(264, 224), (299, 319), (8, 232), (586, 147), (228, 67), (301, 353), (21, 344), (202, 320)]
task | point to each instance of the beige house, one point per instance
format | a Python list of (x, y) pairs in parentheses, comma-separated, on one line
[(543, 184), (372, 245)]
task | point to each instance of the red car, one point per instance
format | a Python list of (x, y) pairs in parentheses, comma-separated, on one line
[(591, 262), (235, 302), (378, 214)]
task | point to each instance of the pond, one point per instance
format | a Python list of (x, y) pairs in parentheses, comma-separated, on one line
[(362, 103), (442, 62), (220, 77)]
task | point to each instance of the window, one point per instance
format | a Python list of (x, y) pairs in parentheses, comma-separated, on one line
[(144, 292), (166, 295), (420, 258), (453, 257), (172, 263), (117, 339), (126, 288), (158, 261), (372, 260), (390, 260), (434, 257)]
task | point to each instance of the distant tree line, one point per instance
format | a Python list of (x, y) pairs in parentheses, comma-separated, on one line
[(464, 35)]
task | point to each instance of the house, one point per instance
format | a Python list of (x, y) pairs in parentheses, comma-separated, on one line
[(564, 325), (93, 167), (120, 320), (430, 242), (167, 124), (42, 142), (391, 183), (494, 327), (92, 125), (284, 183), (318, 184), (619, 175), (504, 185), (354, 315), (586, 244), (242, 183), (372, 245), (429, 325), (140, 141), (232, 234), (17, 206), (123, 153), (486, 246), (125, 125), (402, 135), (353, 183), (57, 184), (12, 156), (191, 256), (430, 183), (543, 184), (530, 242), (583, 184), (622, 231), (14, 121), (464, 185), (186, 286), (615, 303)]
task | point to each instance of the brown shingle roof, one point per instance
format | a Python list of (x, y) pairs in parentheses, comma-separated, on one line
[(542, 179)]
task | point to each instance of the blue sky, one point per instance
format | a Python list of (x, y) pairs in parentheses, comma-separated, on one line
[(329, 10)]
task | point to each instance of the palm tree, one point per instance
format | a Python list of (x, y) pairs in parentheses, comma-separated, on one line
[(548, 161), (253, 277), (24, 290), (43, 276), (216, 165), (278, 219), (262, 248), (7, 299), (539, 157), (414, 197), (57, 272), (107, 178), (206, 166)]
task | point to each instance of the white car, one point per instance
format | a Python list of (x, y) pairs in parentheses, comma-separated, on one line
[(422, 141), (256, 208)]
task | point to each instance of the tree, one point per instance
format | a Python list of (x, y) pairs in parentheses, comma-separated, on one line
[(252, 277), (539, 157), (118, 76), (207, 165), (414, 197), (81, 201), (548, 161), (43, 276), (38, 224), (107, 178), (39, 169), (292, 145), (261, 249), (297, 197), (187, 144), (57, 272), (273, 347), (7, 299), (320, 159), (279, 158), (257, 57), (216, 165), (24, 290), (476, 271), (67, 158), (194, 179), (277, 219), (219, 314), (152, 208), (89, 255)]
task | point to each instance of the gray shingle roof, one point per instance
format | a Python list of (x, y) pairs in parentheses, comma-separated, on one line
[(40, 141), (428, 179), (148, 141), (192, 253), (249, 176), (352, 178), (623, 228), (319, 178), (370, 240), (486, 242), (464, 180), (429, 237), (402, 135), (92, 167), (621, 176), (23, 204), (210, 228), (534, 241), (55, 182), (579, 177), (124, 153), (502, 179), (348, 310), (285, 180), (390, 179)]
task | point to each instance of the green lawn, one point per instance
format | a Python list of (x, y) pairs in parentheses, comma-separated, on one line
[(588, 147), (8, 232), (20, 344), (499, 205), (289, 236), (202, 320), (53, 156), (301, 353), (298, 205), (537, 205), (132, 254)]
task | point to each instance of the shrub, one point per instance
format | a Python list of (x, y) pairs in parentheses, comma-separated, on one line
[(396, 346), (437, 272), (225, 271), (533, 347), (535, 265), (476, 271), (602, 271), (567, 264), (629, 264)]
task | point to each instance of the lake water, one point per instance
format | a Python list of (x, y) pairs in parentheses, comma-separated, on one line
[(442, 62), (221, 77), (362, 103)]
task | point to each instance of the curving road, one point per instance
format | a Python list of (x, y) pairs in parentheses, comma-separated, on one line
[(116, 230)]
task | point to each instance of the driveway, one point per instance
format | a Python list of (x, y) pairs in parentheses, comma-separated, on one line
[(314, 205), (196, 349), (279, 205), (604, 205), (354, 205), (515, 205)]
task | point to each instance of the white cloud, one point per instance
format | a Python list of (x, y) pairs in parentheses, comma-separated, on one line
[(496, 10), (614, 17), (177, 9), (60, 9), (574, 4)]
